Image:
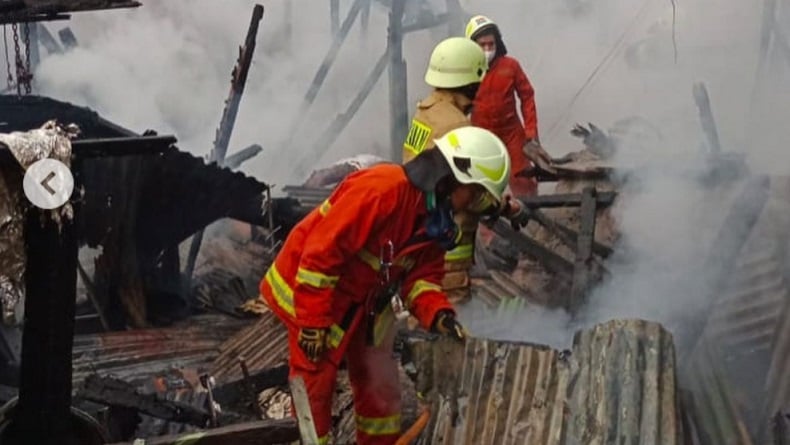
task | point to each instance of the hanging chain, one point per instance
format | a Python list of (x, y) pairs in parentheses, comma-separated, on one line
[(10, 78), (23, 74), (17, 59), (28, 74)]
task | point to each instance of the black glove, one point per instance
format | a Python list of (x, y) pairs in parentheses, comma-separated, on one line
[(518, 214), (446, 324), (313, 342)]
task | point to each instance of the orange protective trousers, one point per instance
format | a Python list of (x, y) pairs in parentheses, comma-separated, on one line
[(373, 372)]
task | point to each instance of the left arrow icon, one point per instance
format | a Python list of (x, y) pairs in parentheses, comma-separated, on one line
[(48, 183)]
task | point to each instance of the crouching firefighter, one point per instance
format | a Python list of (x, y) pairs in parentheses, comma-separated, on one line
[(380, 236)]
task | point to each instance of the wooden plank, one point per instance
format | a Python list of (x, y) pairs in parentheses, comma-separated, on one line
[(582, 264), (251, 433), (303, 413), (533, 249), (603, 199), (136, 145)]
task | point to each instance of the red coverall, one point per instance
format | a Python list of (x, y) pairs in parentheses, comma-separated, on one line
[(495, 110), (326, 276)]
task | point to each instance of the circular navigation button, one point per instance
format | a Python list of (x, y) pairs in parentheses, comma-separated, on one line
[(48, 183)]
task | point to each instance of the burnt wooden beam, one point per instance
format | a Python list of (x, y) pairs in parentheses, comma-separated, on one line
[(706, 118), (251, 433), (48, 41), (97, 148), (227, 122), (44, 10), (235, 393), (533, 249), (602, 199), (582, 264), (114, 392), (69, 41), (236, 159), (6, 19), (237, 84), (567, 235), (44, 409)]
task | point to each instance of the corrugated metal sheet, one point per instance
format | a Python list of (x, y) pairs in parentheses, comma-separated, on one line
[(617, 386), (711, 403), (263, 345), (512, 394), (736, 375), (746, 317), (136, 356), (623, 386)]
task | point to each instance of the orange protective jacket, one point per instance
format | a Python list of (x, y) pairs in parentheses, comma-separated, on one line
[(330, 262), (495, 102)]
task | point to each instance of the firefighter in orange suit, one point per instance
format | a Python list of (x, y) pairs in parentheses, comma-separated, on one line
[(495, 104), (380, 238), (455, 69)]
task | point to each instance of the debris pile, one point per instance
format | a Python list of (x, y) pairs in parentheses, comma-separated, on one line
[(174, 345)]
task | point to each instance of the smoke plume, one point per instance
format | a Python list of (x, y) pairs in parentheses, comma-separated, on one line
[(167, 66)]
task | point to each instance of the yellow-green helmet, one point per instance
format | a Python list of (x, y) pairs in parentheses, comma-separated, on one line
[(482, 152), (456, 62), (476, 24)]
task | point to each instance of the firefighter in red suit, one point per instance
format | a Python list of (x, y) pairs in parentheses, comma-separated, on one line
[(495, 103), (380, 238)]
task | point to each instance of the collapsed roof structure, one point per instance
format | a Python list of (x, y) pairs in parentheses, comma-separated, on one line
[(221, 376)]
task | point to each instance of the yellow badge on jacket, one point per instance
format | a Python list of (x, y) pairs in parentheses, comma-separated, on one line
[(417, 139)]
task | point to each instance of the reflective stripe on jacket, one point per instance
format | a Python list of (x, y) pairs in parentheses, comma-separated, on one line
[(330, 260)]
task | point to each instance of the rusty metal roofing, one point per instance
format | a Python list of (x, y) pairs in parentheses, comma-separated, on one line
[(139, 354), (736, 375), (263, 345), (616, 386)]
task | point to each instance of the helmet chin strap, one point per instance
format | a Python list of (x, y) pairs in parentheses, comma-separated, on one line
[(440, 224)]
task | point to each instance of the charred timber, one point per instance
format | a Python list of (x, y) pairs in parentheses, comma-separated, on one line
[(123, 146), (114, 392), (602, 199), (228, 120), (236, 393), (44, 409), (238, 82), (252, 433), (43, 10), (583, 261), (236, 159), (533, 249), (567, 235)]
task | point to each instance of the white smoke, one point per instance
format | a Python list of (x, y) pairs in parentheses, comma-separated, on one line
[(166, 66), (617, 59)]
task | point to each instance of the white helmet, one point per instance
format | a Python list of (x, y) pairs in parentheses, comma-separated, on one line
[(476, 24), (477, 156), (456, 62)]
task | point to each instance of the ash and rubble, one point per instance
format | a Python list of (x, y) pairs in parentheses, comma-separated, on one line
[(160, 353)]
